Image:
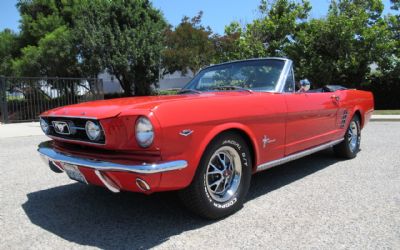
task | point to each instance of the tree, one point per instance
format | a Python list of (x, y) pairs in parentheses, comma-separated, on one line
[(188, 46), (275, 30), (9, 49), (341, 48), (72, 38), (390, 62), (47, 47), (229, 46), (54, 55), (385, 81), (269, 35), (123, 37)]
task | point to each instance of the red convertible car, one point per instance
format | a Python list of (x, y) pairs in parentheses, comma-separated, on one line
[(231, 121)]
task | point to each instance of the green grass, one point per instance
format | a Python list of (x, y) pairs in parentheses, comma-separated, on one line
[(168, 92), (387, 112), (15, 98)]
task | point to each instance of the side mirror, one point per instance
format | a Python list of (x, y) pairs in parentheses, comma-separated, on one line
[(305, 85)]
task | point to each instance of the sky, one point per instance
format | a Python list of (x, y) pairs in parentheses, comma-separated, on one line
[(217, 13)]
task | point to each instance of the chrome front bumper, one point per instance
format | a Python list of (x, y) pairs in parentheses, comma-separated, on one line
[(49, 154)]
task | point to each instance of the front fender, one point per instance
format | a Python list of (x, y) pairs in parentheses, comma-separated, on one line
[(195, 145), (214, 132)]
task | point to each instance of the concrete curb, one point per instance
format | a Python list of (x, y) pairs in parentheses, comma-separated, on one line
[(385, 118)]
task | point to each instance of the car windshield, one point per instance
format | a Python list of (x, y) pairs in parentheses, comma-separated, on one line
[(256, 75)]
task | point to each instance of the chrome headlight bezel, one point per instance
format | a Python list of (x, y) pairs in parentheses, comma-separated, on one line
[(44, 126), (144, 132), (93, 130)]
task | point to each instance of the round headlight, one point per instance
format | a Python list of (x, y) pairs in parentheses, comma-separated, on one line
[(44, 125), (144, 132), (93, 130)]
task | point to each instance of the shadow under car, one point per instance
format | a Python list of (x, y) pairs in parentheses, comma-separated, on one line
[(93, 216)]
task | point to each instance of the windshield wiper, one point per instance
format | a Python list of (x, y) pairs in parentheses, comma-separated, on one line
[(228, 87), (185, 91)]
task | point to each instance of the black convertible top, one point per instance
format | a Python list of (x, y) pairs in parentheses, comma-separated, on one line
[(328, 88)]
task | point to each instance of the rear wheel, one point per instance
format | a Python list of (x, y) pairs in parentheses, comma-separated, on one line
[(350, 146), (222, 179)]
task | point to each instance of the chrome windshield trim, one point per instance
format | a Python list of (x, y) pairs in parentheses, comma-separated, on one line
[(298, 155), (246, 60), (48, 152), (281, 81), (280, 86)]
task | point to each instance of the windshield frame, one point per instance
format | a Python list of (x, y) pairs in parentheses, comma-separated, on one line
[(279, 87)]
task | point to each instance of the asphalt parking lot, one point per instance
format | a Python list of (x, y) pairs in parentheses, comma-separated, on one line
[(316, 202)]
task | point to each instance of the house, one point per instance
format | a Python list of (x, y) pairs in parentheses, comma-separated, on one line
[(169, 81)]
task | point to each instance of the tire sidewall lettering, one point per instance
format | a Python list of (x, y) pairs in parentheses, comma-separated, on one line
[(226, 204)]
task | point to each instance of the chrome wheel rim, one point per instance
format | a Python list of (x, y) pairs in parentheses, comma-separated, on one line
[(352, 136), (223, 175)]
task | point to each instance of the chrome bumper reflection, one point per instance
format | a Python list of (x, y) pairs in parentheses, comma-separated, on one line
[(49, 154)]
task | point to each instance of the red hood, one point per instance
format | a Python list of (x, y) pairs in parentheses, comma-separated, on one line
[(110, 108)]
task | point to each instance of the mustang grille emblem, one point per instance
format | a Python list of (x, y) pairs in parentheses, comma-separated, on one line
[(61, 127)]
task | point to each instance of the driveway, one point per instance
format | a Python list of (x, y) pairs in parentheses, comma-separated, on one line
[(315, 202)]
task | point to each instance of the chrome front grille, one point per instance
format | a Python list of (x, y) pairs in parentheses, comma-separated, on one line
[(71, 129)]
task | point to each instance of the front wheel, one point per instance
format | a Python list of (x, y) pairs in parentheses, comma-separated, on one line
[(350, 146), (222, 179)]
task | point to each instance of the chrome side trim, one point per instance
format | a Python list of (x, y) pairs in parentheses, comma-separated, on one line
[(298, 155), (46, 150)]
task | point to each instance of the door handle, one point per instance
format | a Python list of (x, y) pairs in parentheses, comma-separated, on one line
[(335, 98)]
